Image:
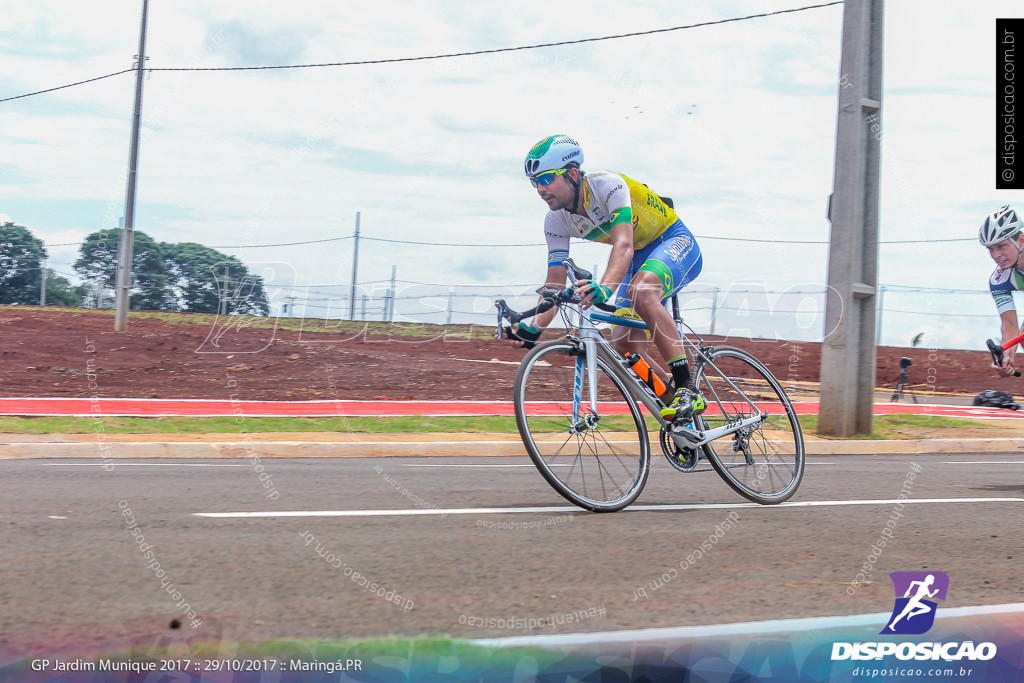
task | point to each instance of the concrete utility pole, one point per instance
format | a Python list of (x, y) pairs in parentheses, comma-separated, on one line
[(42, 285), (126, 248), (355, 268), (848, 353), (222, 307)]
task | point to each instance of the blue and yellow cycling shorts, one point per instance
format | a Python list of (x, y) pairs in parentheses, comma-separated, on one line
[(673, 256)]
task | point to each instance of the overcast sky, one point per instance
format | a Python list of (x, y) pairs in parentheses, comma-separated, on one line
[(735, 122)]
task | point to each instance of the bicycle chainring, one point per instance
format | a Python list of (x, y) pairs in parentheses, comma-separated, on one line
[(683, 459)]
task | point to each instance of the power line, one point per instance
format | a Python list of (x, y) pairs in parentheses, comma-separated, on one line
[(283, 244), (700, 237), (504, 49), (451, 55), (492, 246), (449, 244), (950, 239), (69, 85)]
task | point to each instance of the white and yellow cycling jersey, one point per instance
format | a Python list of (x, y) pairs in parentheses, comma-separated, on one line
[(608, 199)]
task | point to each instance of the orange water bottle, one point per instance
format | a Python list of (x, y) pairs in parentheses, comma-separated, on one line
[(638, 365)]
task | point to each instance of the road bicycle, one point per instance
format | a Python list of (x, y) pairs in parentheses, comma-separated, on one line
[(577, 406)]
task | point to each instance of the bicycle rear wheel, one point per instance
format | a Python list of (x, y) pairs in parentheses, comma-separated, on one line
[(599, 462), (763, 462)]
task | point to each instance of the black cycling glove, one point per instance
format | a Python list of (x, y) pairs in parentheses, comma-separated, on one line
[(528, 334)]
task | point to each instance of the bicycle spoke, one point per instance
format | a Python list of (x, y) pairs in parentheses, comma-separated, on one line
[(763, 461), (593, 462)]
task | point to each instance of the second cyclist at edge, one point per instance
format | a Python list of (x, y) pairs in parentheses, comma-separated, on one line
[(653, 256)]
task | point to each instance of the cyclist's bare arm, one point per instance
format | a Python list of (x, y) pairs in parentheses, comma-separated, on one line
[(556, 280), (1009, 329)]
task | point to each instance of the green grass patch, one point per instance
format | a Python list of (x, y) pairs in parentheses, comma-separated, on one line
[(412, 332), (890, 426), (232, 425), (885, 426)]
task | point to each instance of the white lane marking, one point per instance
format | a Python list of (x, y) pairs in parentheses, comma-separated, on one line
[(383, 513), (565, 465), (750, 627), (983, 462), (137, 464), (633, 508), (531, 466)]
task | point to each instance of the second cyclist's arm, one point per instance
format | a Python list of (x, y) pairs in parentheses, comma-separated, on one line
[(1008, 326)]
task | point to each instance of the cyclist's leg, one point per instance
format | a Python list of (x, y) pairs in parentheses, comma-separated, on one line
[(667, 266), (628, 339), (672, 263), (646, 291)]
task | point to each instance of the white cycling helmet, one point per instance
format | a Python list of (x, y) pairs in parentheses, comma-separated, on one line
[(551, 154), (1002, 224)]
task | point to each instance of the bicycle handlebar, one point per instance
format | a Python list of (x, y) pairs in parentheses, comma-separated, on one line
[(997, 350), (552, 297)]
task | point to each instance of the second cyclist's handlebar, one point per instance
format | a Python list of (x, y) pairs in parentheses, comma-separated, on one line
[(997, 350)]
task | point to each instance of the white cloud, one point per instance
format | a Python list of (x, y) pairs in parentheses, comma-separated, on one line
[(736, 122)]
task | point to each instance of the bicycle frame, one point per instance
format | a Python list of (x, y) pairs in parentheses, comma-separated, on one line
[(763, 459), (595, 345)]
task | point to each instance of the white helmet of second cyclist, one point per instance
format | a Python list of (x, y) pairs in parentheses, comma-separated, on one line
[(1001, 224), (551, 154)]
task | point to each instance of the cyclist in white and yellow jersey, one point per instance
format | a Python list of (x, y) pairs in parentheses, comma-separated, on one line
[(653, 254), (1002, 234)]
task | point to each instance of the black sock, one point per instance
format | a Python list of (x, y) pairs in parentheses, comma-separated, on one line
[(680, 372)]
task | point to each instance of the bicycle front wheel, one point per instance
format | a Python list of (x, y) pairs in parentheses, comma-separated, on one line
[(598, 461), (764, 461)]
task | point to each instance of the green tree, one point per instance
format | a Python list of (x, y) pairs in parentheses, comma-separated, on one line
[(200, 277), (97, 262), (60, 291), (21, 260)]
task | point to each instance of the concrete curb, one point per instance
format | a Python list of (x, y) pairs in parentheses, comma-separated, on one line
[(485, 445)]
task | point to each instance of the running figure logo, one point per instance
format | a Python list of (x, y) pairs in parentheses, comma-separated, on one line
[(912, 612)]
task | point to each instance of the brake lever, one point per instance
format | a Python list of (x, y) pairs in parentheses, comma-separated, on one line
[(997, 354), (503, 309), (549, 293), (575, 272)]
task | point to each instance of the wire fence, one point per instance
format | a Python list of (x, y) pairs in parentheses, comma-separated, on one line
[(905, 316)]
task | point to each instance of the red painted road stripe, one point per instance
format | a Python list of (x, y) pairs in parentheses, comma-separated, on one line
[(205, 408)]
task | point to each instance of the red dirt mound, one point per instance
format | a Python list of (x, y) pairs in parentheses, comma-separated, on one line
[(76, 352)]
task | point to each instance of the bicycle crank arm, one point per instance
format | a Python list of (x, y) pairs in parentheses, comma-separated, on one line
[(694, 438)]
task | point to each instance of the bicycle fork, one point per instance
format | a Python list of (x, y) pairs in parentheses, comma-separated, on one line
[(585, 363)]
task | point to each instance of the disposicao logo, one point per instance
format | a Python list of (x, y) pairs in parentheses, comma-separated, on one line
[(914, 610), (913, 613)]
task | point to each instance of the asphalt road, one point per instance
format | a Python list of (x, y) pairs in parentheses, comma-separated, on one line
[(94, 556)]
